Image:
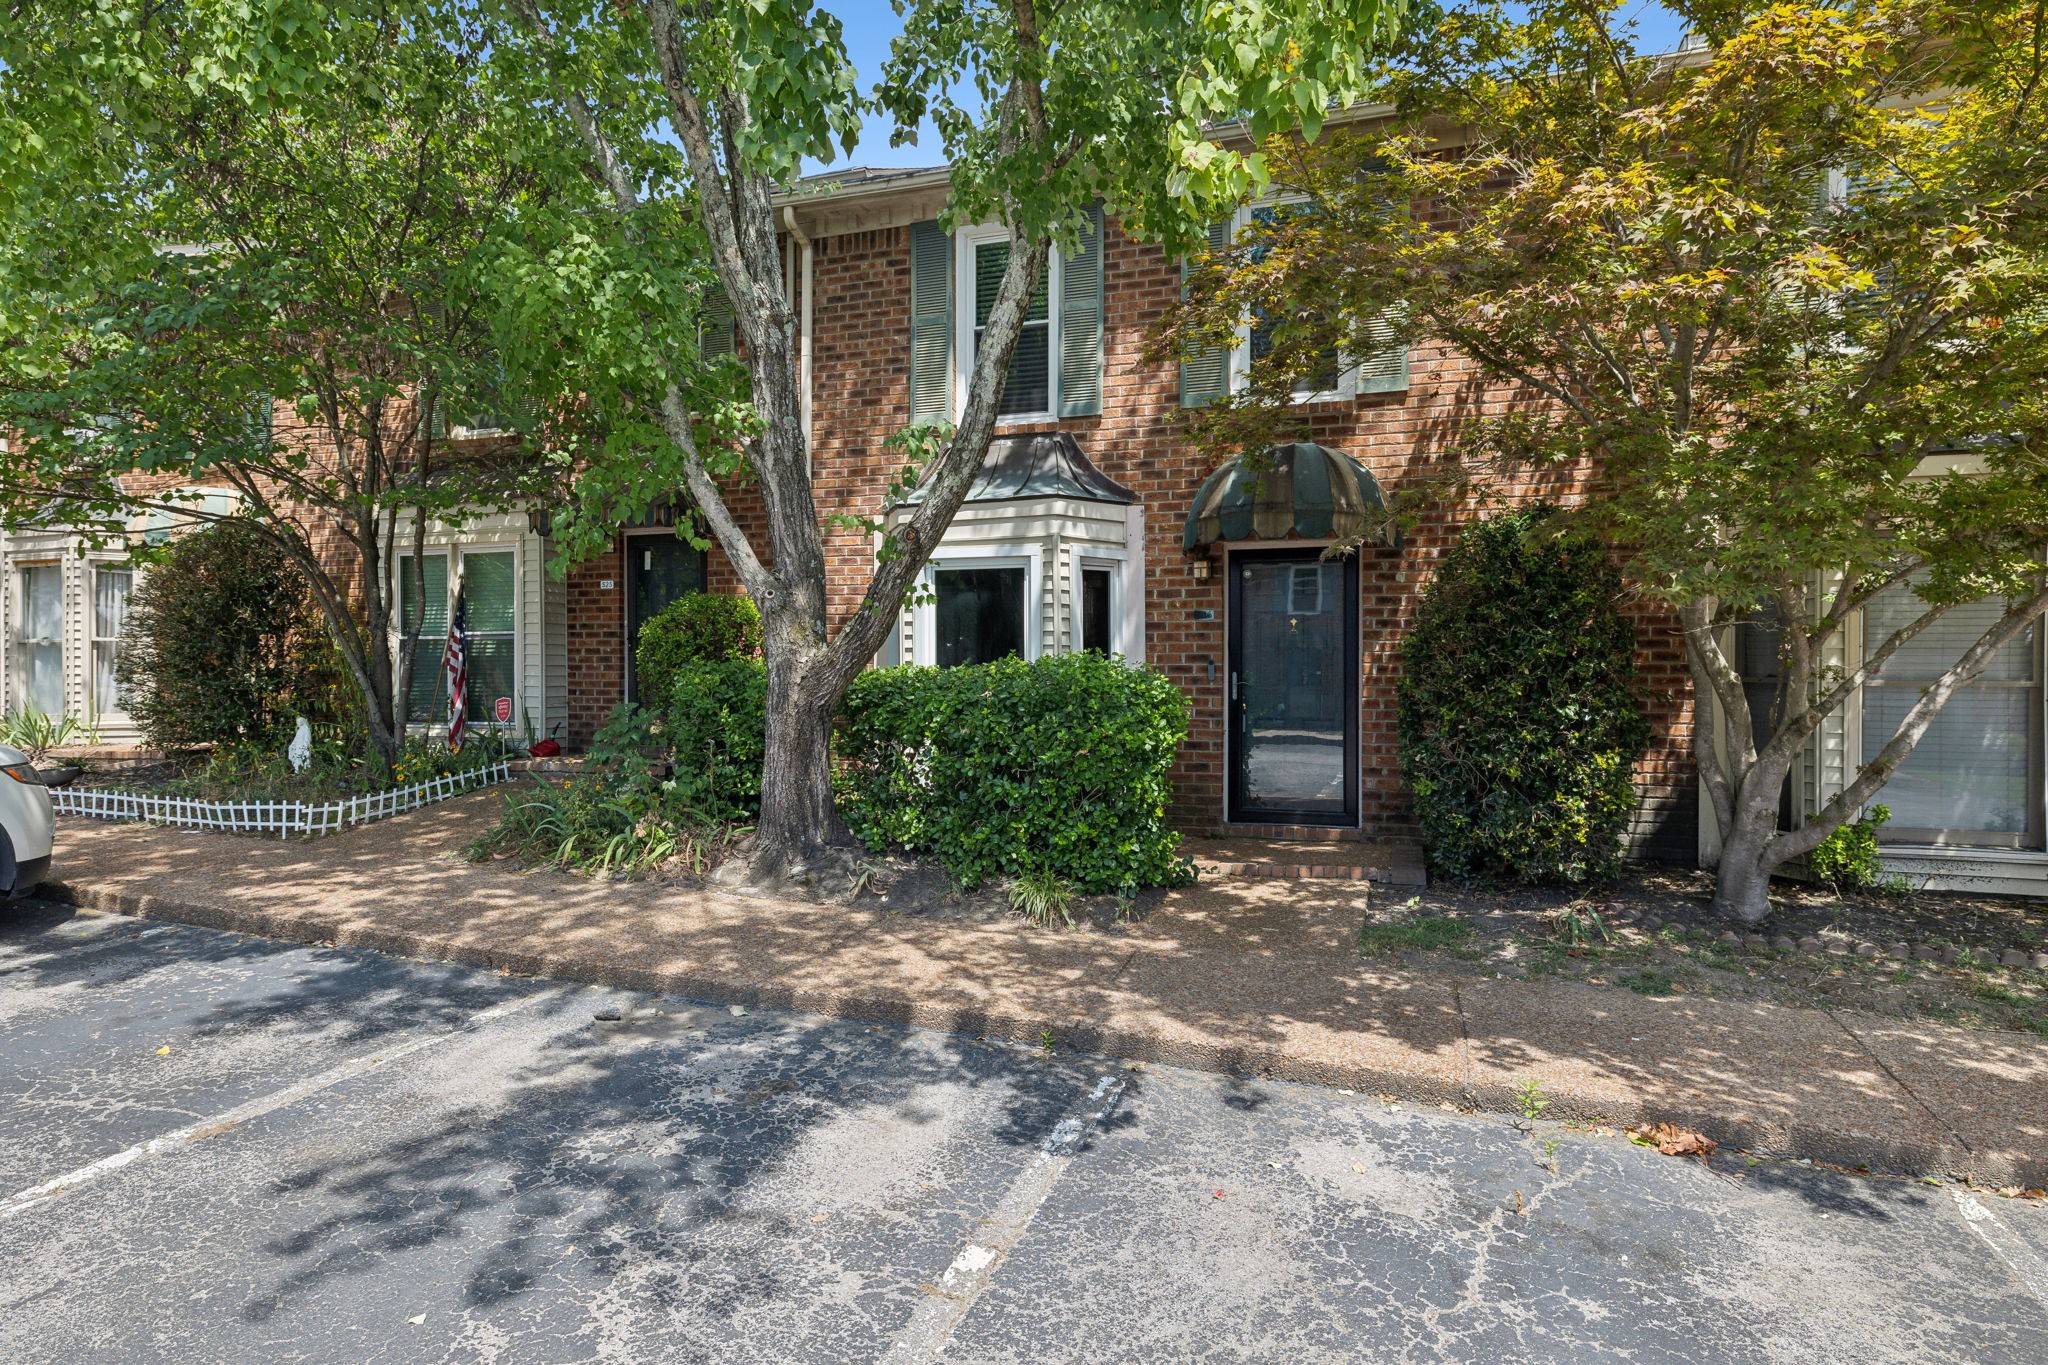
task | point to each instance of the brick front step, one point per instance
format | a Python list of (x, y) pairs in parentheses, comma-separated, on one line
[(1383, 863)]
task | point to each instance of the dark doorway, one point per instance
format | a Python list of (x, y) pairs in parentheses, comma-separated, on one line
[(660, 567), (1292, 691)]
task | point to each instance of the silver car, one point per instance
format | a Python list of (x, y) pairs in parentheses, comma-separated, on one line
[(28, 825)]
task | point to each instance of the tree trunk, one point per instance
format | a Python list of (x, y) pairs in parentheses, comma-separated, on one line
[(1750, 848), (798, 817), (1742, 884)]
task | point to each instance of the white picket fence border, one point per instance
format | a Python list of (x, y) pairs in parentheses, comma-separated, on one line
[(282, 818)]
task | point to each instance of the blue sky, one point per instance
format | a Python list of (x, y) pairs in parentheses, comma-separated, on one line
[(870, 24)]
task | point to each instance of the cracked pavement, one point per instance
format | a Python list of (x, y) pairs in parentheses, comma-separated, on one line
[(349, 1157)]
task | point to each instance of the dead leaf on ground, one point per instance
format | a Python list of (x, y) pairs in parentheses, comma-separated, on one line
[(1358, 1166), (1672, 1140)]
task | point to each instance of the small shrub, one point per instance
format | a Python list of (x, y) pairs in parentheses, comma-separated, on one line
[(1517, 707), (1848, 860), (1430, 933), (716, 725), (1044, 898), (699, 627), (1055, 767), (222, 643), (616, 819), (1578, 928), (36, 732)]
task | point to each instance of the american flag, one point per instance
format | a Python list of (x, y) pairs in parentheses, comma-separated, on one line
[(455, 667)]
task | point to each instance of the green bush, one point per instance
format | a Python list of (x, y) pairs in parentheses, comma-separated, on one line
[(1848, 859), (698, 627), (1057, 767), (222, 643), (715, 727), (1519, 720)]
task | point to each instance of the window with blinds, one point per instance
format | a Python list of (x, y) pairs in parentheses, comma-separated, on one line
[(489, 590), (1028, 387), (426, 695), (1975, 776)]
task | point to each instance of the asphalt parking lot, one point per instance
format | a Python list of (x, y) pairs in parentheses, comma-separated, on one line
[(227, 1148)]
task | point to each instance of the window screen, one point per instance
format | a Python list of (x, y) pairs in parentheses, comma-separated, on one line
[(426, 697), (39, 643), (488, 584), (1974, 777), (1028, 388), (1095, 598), (980, 614)]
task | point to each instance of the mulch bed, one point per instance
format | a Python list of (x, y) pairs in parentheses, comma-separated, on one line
[(1664, 939)]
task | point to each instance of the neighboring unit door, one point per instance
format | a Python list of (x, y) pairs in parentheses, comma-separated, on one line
[(1292, 698), (659, 569)]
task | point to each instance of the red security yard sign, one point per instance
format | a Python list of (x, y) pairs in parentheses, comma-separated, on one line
[(502, 709)]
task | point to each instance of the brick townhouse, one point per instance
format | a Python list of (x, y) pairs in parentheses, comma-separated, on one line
[(1079, 532)]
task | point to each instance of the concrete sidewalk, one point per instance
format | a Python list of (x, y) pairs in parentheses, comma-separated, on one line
[(1247, 978)]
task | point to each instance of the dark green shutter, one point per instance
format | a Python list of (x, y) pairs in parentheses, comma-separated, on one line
[(715, 329), (1205, 375), (1081, 322), (1385, 368), (931, 323)]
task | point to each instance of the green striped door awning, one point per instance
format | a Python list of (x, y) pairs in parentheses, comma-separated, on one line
[(1302, 489)]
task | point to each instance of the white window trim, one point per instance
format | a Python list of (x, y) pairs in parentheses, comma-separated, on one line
[(1241, 352), (18, 642), (964, 243), (454, 551), (925, 615), (1913, 839), (1127, 626), (93, 639)]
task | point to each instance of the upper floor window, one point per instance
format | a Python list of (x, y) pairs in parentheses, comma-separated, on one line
[(1028, 388), (1206, 376), (1056, 365)]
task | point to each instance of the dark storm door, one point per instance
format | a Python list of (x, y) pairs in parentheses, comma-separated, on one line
[(1292, 689), (659, 569)]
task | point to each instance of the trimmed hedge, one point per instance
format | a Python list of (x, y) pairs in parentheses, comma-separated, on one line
[(696, 627), (1013, 768), (1518, 713), (716, 719)]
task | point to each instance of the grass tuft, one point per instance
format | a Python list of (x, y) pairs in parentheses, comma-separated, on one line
[(1429, 934)]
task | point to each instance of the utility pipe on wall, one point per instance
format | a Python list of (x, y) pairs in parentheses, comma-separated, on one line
[(803, 354)]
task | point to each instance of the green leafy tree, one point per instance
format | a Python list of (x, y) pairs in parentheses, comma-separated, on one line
[(1775, 300), (695, 118), (245, 255)]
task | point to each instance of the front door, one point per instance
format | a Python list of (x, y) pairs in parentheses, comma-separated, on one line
[(659, 569), (1293, 688)]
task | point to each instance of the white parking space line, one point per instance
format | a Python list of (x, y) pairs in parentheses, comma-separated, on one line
[(2017, 1255), (931, 1328), (227, 1119)]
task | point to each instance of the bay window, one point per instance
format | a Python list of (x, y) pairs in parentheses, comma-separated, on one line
[(979, 611)]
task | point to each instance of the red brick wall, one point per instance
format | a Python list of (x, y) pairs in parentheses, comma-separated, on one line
[(861, 395)]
